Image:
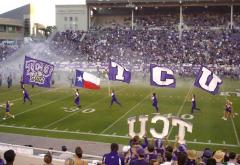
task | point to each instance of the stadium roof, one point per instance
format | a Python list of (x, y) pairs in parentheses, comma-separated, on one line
[(149, 1), (161, 2)]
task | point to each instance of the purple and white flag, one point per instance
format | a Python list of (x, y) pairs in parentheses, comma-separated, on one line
[(162, 76), (37, 72), (118, 73), (207, 80)]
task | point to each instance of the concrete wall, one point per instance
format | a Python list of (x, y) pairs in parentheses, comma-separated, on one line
[(71, 17)]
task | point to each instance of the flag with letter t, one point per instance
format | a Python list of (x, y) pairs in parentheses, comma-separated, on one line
[(37, 72), (118, 73), (207, 80)]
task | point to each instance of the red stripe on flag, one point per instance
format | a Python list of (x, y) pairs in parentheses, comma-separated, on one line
[(89, 85)]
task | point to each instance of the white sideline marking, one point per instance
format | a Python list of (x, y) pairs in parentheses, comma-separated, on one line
[(235, 131), (107, 135), (181, 107), (125, 114), (61, 119)]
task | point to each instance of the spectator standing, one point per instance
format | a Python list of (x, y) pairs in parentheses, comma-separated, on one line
[(78, 157), (9, 157), (113, 158), (47, 159)]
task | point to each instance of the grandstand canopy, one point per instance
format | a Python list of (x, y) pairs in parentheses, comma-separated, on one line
[(126, 3)]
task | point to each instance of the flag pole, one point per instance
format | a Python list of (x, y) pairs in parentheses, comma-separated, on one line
[(109, 88)]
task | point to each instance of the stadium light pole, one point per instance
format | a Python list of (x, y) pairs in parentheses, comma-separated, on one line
[(180, 22), (231, 23)]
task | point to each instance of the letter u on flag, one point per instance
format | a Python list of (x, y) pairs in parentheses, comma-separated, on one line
[(86, 80), (37, 72), (207, 80)]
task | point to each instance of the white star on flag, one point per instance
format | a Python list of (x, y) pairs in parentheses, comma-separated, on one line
[(80, 78)]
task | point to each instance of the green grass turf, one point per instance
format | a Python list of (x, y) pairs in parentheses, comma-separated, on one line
[(46, 116)]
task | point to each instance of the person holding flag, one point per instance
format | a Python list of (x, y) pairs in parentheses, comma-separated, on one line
[(26, 96), (77, 98), (7, 113), (194, 104), (155, 102), (114, 99)]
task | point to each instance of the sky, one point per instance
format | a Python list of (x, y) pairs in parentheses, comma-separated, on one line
[(45, 9)]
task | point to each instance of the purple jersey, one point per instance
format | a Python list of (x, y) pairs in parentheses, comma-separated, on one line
[(25, 93), (113, 96), (7, 107), (77, 98), (154, 101)]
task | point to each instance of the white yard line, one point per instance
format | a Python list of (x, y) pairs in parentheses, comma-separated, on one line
[(107, 135), (235, 131), (110, 126), (63, 118), (181, 107)]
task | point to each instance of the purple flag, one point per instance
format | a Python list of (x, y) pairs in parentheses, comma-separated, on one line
[(162, 76), (118, 73), (207, 80), (37, 72)]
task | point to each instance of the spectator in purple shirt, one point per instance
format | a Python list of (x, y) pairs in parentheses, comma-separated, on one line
[(140, 160), (151, 155), (113, 157)]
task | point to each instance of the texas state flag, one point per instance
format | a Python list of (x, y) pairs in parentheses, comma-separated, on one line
[(86, 80)]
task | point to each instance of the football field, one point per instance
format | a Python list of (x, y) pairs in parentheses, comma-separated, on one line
[(53, 113)]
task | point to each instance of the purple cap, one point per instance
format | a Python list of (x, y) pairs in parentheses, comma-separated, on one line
[(140, 151)]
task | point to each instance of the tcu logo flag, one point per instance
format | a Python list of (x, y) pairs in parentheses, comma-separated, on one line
[(207, 80), (118, 73), (37, 72), (162, 76)]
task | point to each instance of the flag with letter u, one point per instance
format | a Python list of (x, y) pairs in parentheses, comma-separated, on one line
[(37, 72), (207, 80), (86, 80)]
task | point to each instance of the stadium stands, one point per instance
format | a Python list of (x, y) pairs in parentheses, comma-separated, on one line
[(158, 151)]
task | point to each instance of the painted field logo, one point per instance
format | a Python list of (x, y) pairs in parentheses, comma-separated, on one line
[(70, 109), (183, 126), (74, 109)]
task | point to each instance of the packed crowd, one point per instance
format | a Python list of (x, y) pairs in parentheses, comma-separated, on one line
[(7, 50), (219, 48), (138, 152)]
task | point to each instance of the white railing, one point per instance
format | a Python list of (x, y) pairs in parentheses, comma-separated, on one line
[(34, 152)]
